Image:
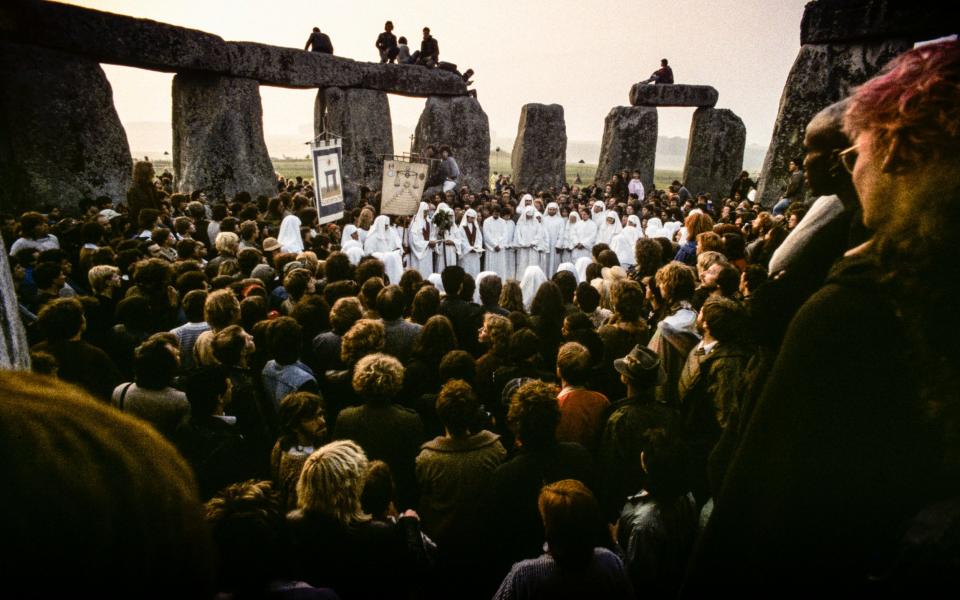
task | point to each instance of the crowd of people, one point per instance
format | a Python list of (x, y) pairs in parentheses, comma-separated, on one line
[(603, 391)]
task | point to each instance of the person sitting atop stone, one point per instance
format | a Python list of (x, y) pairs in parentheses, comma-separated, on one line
[(429, 53), (319, 42), (662, 75), (403, 52), (387, 44)]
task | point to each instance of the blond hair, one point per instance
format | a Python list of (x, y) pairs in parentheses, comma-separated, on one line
[(227, 242), (100, 275), (378, 376), (331, 482)]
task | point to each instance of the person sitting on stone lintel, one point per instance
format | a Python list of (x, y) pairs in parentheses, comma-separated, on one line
[(662, 75), (319, 42), (429, 53)]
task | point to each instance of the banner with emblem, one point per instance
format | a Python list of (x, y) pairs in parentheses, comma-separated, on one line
[(327, 180), (403, 184)]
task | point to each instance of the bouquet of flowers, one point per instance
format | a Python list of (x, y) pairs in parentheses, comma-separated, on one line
[(443, 221)]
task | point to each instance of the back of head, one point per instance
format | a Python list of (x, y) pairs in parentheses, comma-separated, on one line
[(458, 364), (366, 336), (331, 482), (284, 337), (534, 414), (452, 279), (390, 303), (378, 377), (588, 298), (490, 288), (573, 363), (97, 493), (457, 407), (155, 363), (61, 319), (665, 463), (726, 318), (247, 523), (573, 523)]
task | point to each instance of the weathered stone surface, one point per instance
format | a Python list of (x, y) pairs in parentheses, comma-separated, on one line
[(832, 21), (646, 94), (60, 137), (123, 40), (821, 75), (113, 38), (14, 350), (629, 142), (461, 124), (539, 155), (714, 152), (362, 117), (218, 136)]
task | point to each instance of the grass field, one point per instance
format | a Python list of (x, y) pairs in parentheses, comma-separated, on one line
[(501, 164)]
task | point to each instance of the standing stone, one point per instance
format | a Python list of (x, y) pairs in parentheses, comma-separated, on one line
[(362, 117), (14, 350), (218, 136), (714, 152), (460, 123), (821, 75), (539, 155), (629, 142), (60, 137)]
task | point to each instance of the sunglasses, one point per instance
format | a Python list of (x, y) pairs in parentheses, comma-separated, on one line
[(848, 158)]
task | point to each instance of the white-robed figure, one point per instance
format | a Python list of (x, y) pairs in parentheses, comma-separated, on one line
[(447, 242), (420, 242), (392, 265), (382, 237), (350, 237), (533, 278), (597, 213), (289, 237), (610, 228), (542, 247), (654, 228), (625, 242), (553, 228), (510, 254), (471, 243), (527, 239), (495, 243), (579, 237), (582, 263)]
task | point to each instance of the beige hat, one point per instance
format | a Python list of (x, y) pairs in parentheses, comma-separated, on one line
[(270, 244)]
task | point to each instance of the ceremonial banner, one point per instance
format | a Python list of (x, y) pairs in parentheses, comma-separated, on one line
[(327, 185), (403, 184)]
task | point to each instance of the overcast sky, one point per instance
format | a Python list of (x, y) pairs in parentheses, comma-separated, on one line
[(581, 54)]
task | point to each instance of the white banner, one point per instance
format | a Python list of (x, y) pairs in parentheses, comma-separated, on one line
[(403, 184), (327, 181)]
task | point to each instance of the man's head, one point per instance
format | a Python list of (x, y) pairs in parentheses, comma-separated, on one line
[(457, 407), (663, 62), (722, 318), (426, 32), (573, 364), (823, 141), (534, 414), (388, 26)]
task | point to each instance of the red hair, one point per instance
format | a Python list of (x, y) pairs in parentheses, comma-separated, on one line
[(914, 101)]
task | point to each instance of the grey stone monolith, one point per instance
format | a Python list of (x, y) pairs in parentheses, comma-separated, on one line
[(714, 151), (460, 123), (539, 154), (820, 76), (60, 137), (218, 142), (629, 142), (362, 118)]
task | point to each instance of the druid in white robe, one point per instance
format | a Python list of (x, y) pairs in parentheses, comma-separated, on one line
[(418, 236), (448, 242), (553, 228), (471, 243), (527, 239), (510, 252), (382, 237), (611, 227), (624, 242), (579, 237), (495, 243)]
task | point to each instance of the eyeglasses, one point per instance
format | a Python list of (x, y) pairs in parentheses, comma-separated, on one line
[(848, 158)]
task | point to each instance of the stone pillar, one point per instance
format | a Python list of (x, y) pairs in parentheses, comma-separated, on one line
[(714, 151), (362, 117), (60, 137), (459, 122), (14, 350), (821, 75), (629, 142), (218, 136), (539, 157)]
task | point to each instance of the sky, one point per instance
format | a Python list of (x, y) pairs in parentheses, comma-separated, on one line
[(583, 55)]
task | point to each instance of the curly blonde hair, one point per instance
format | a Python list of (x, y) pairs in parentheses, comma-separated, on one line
[(365, 337), (331, 482), (378, 377), (227, 242)]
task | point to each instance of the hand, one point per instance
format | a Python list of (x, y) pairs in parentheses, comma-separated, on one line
[(431, 244), (448, 243), (496, 248)]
